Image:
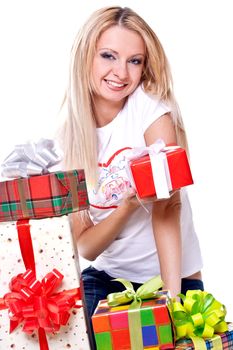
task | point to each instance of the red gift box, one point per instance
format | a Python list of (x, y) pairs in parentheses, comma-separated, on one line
[(42, 196), (179, 169)]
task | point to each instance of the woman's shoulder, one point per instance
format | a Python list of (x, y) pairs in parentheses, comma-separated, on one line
[(140, 95), (147, 104)]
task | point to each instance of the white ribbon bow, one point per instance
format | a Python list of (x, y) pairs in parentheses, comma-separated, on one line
[(31, 159), (160, 170)]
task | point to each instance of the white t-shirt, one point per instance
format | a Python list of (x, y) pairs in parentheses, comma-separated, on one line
[(133, 255)]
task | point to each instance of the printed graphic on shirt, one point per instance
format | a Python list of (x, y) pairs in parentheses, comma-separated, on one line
[(113, 182)]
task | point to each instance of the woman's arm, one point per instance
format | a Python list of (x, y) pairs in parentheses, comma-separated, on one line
[(166, 228), (166, 216), (94, 239)]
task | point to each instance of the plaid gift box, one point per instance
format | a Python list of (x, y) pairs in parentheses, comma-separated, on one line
[(222, 341), (43, 196), (111, 325), (176, 165), (52, 250)]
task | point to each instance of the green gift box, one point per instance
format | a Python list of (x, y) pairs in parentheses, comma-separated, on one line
[(152, 325)]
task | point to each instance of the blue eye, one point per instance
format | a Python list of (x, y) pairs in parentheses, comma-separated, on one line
[(136, 61), (107, 55)]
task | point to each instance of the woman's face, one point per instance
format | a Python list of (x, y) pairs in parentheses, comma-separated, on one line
[(118, 64)]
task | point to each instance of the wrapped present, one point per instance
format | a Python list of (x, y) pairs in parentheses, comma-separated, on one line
[(43, 196), (200, 318), (159, 169), (223, 341), (41, 298), (35, 193), (144, 324)]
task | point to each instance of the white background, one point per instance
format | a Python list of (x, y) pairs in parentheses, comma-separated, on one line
[(36, 38)]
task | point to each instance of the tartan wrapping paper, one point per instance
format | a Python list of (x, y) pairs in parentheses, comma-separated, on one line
[(53, 247), (111, 326), (43, 196), (226, 338)]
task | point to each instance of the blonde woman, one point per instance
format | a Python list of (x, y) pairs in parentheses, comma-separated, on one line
[(119, 97)]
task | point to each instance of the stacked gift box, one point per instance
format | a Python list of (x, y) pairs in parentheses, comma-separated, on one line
[(44, 196), (41, 296)]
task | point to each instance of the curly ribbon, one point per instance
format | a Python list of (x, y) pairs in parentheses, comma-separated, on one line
[(31, 159), (200, 316), (37, 305), (129, 295), (160, 170)]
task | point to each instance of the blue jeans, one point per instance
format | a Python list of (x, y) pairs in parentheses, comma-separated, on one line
[(98, 284)]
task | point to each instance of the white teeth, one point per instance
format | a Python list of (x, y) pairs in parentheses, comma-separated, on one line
[(114, 84)]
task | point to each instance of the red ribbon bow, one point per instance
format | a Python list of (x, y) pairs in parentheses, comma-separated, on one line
[(37, 304)]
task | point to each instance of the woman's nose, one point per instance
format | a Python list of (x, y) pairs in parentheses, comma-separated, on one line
[(120, 70)]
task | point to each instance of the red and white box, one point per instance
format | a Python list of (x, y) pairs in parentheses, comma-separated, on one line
[(158, 173)]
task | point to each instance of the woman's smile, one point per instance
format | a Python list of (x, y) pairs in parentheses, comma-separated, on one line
[(117, 66), (115, 85)]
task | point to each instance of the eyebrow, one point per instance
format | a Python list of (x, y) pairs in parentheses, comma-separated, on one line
[(117, 53)]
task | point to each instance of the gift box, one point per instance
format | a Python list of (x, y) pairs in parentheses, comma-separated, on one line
[(222, 341), (168, 168), (115, 327), (199, 322), (43, 196), (41, 298)]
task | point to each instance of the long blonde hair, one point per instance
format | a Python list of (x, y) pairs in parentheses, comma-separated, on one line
[(79, 130)]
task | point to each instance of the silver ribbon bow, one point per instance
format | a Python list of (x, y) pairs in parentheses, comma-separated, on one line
[(31, 159)]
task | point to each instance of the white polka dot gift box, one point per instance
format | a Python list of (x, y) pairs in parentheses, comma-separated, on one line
[(41, 305)]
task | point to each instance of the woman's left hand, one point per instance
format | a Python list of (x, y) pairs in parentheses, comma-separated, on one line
[(130, 199)]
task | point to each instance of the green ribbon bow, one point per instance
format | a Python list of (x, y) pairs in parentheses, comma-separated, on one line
[(201, 315), (147, 290)]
